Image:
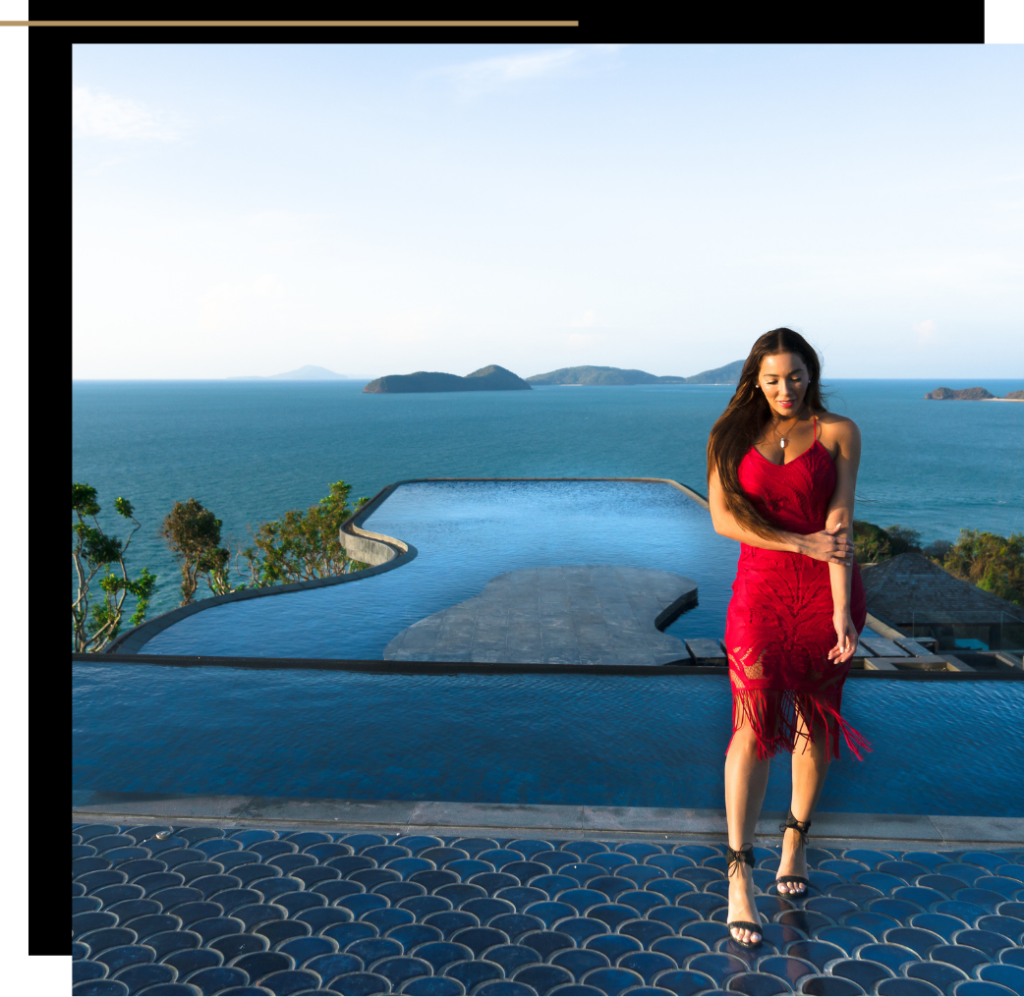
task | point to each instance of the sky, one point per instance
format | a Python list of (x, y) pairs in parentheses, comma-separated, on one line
[(381, 209)]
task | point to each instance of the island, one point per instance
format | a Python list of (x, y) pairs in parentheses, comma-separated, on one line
[(959, 394), (490, 378), (729, 374), (308, 373), (972, 395), (601, 375)]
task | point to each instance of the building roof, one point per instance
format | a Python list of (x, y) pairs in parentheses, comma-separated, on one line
[(909, 587)]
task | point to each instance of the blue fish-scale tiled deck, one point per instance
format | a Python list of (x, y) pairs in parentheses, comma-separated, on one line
[(207, 910)]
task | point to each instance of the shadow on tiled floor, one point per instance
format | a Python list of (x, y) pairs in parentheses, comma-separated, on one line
[(207, 910)]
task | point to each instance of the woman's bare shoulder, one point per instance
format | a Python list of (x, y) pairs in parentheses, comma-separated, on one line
[(838, 428), (840, 422)]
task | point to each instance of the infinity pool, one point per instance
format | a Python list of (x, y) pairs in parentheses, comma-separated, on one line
[(613, 740), (466, 532)]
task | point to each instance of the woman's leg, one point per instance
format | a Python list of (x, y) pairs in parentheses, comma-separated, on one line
[(809, 771), (746, 779)]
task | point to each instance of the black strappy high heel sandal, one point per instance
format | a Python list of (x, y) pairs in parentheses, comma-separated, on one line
[(801, 827), (734, 855)]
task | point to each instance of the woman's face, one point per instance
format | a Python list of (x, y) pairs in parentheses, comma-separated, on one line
[(783, 379)]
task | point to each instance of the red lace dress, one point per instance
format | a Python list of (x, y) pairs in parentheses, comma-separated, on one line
[(779, 628)]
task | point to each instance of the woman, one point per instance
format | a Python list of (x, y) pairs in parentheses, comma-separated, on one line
[(781, 477)]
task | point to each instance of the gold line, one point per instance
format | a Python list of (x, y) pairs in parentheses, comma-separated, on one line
[(289, 24)]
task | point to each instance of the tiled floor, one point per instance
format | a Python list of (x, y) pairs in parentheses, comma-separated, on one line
[(207, 910)]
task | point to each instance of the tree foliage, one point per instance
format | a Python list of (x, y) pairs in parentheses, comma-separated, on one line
[(96, 623), (302, 546), (937, 550), (872, 543), (193, 534), (903, 539), (992, 562), (299, 547)]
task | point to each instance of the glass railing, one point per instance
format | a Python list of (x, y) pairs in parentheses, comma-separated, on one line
[(969, 630)]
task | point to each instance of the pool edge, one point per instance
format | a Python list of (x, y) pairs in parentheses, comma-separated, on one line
[(389, 666), (505, 819)]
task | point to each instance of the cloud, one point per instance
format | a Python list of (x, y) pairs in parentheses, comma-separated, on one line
[(589, 319), (501, 72), (925, 330), (578, 340), (591, 340), (100, 115)]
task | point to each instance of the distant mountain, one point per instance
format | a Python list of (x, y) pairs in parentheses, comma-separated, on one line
[(307, 373), (491, 378), (960, 394), (729, 374), (601, 375)]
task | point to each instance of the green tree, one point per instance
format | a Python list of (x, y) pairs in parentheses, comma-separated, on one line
[(871, 543), (903, 540), (937, 550), (94, 551), (302, 546), (193, 534), (992, 562)]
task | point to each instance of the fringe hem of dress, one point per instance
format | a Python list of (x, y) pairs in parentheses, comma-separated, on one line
[(772, 715)]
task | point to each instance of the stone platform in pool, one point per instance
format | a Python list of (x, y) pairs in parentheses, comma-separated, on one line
[(568, 614), (185, 907)]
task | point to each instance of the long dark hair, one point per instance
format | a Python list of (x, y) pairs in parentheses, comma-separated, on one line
[(743, 421)]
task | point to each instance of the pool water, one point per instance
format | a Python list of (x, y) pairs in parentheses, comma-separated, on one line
[(466, 533), (613, 740)]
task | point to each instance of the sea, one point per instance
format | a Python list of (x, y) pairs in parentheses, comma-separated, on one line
[(251, 450)]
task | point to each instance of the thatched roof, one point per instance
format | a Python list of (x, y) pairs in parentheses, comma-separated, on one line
[(909, 588)]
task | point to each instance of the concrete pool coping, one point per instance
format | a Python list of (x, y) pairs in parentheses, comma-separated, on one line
[(572, 614), (504, 668), (518, 820)]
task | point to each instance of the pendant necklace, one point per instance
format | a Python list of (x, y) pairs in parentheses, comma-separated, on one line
[(783, 441)]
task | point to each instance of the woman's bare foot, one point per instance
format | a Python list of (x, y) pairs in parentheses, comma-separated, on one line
[(741, 903), (792, 863)]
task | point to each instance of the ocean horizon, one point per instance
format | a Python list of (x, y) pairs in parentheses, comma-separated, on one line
[(938, 382), (251, 449)]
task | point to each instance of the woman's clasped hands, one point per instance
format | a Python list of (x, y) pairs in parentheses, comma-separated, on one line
[(832, 545)]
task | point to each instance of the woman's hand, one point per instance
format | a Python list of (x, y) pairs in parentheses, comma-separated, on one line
[(827, 545), (847, 639)]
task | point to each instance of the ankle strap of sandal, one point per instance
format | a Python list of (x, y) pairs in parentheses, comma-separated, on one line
[(800, 826), (738, 855)]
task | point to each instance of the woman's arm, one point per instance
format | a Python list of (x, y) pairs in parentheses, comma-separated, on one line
[(828, 545), (846, 437)]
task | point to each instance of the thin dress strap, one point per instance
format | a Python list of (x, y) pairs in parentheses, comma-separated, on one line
[(815, 430)]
